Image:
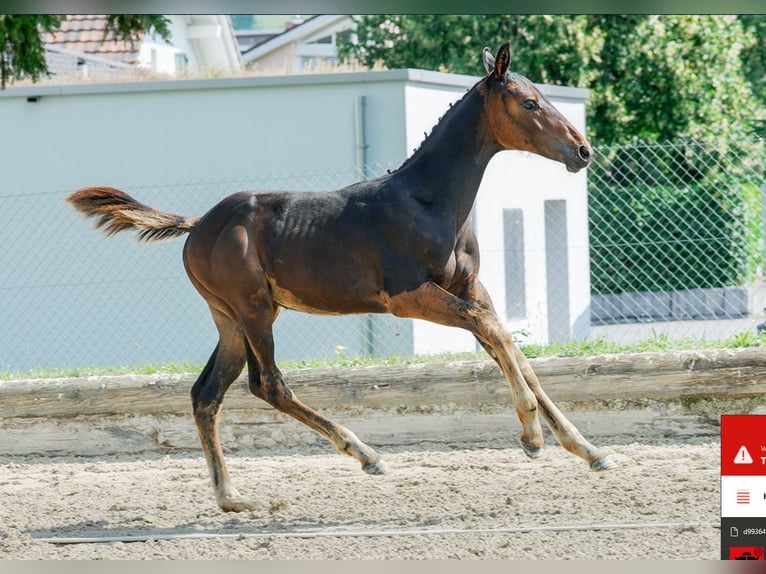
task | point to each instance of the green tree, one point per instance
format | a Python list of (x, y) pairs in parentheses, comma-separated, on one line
[(670, 77), (652, 78), (22, 53), (451, 43), (754, 58)]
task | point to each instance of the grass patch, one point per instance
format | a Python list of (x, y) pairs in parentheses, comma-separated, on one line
[(146, 369), (658, 342)]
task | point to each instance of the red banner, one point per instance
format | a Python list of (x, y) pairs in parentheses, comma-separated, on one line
[(743, 445)]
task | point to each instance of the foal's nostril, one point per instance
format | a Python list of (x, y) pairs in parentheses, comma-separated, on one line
[(584, 152)]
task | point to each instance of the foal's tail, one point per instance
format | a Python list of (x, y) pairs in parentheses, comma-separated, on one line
[(117, 211)]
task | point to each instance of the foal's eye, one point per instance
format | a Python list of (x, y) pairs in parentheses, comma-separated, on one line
[(530, 105)]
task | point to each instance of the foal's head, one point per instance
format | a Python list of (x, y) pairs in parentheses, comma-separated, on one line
[(521, 118)]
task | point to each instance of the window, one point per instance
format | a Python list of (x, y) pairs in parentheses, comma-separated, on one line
[(324, 40), (513, 248), (557, 270), (182, 62)]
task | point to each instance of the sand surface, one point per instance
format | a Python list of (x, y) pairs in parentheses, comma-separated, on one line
[(451, 501)]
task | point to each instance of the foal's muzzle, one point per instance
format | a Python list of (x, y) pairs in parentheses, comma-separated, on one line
[(580, 158)]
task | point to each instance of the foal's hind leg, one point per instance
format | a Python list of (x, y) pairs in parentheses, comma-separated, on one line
[(266, 382), (223, 367)]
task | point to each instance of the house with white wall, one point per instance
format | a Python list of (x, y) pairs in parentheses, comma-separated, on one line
[(73, 298)]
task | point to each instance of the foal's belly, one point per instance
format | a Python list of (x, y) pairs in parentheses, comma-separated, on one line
[(319, 301)]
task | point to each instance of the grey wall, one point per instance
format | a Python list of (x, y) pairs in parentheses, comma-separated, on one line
[(70, 297)]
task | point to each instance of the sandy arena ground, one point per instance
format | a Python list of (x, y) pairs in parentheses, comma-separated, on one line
[(474, 502)]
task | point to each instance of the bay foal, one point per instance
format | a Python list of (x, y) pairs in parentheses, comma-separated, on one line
[(400, 244)]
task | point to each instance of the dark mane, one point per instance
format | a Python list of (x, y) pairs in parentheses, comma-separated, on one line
[(436, 129)]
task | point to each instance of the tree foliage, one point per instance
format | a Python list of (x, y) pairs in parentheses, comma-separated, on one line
[(652, 78), (754, 58), (670, 77), (22, 53)]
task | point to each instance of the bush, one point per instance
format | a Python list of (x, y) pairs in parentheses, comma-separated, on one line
[(652, 229)]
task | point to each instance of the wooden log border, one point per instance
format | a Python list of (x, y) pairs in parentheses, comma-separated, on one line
[(722, 373)]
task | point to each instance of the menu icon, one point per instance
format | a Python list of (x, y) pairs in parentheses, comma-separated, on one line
[(743, 496)]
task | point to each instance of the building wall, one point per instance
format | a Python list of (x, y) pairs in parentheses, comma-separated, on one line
[(280, 61), (74, 298), (160, 58)]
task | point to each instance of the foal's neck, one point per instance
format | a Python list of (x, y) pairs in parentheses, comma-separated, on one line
[(446, 170)]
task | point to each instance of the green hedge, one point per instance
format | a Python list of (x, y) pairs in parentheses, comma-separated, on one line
[(653, 237)]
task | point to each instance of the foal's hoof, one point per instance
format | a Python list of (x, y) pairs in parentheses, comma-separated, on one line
[(238, 505), (376, 468), (603, 463), (531, 451)]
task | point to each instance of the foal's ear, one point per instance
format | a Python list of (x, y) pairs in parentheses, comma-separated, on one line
[(497, 65), (489, 60), (502, 60)]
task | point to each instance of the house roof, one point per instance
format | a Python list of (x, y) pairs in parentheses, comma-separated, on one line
[(85, 34), (298, 32)]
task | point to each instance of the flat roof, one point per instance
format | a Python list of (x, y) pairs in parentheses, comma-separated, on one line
[(402, 75)]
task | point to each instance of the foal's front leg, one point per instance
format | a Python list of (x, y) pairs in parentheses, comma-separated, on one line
[(565, 432), (474, 312), (526, 406), (437, 305)]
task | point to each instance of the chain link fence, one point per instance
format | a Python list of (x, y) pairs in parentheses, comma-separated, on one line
[(676, 240), (676, 250), (71, 298)]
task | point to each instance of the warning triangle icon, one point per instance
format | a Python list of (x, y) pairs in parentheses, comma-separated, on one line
[(743, 456)]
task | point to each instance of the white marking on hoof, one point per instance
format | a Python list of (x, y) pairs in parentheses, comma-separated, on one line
[(379, 467), (603, 463)]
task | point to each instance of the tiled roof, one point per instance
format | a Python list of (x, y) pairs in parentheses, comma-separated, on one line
[(85, 34)]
